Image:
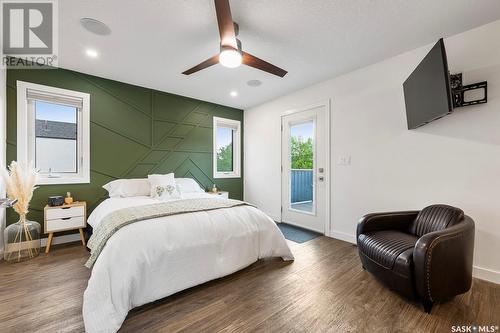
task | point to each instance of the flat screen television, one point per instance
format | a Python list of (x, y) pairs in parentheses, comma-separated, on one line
[(427, 90)]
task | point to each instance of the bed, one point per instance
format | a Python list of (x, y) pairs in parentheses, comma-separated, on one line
[(154, 258)]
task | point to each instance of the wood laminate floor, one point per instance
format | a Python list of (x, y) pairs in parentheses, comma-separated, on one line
[(323, 290)]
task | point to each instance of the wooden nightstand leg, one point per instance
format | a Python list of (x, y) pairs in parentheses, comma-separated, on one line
[(49, 242), (81, 236)]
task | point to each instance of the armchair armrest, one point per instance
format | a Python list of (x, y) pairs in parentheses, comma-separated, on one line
[(443, 261), (385, 221)]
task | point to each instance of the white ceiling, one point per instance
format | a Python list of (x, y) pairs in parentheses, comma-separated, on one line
[(153, 41)]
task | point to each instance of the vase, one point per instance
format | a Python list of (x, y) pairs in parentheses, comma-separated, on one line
[(22, 240)]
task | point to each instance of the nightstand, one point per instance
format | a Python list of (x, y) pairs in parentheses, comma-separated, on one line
[(222, 194), (63, 218)]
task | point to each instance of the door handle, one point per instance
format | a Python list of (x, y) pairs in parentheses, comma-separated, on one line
[(321, 178)]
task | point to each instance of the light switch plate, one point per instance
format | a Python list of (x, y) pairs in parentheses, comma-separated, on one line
[(344, 160)]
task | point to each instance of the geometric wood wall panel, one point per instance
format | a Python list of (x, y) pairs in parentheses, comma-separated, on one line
[(168, 143), (200, 139), (181, 130), (139, 170), (154, 157), (161, 130), (113, 154), (121, 117), (198, 118), (135, 131), (172, 107)]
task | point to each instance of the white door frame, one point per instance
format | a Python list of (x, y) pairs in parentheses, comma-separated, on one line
[(329, 173)]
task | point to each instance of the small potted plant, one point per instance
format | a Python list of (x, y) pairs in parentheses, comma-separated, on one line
[(21, 239)]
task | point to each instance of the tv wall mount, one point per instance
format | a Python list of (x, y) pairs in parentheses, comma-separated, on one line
[(458, 91)]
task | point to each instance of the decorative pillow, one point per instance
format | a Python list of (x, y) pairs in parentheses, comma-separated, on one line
[(163, 186), (128, 188), (188, 185)]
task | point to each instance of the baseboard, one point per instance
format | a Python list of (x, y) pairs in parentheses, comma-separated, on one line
[(343, 236), (56, 240), (486, 274), (62, 239)]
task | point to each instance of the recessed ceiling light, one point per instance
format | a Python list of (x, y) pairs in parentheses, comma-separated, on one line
[(91, 53), (95, 26), (233, 93), (254, 83)]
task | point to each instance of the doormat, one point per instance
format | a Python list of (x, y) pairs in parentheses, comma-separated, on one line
[(297, 234)]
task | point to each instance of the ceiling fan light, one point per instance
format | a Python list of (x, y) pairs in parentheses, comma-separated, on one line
[(230, 58)]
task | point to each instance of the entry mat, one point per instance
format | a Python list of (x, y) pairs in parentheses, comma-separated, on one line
[(297, 234)]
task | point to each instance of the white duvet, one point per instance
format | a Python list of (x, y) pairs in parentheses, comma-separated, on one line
[(154, 258)]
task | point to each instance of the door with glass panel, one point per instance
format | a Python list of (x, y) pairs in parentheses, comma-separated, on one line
[(303, 177)]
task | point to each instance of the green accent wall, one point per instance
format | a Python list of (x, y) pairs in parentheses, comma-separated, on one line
[(134, 132)]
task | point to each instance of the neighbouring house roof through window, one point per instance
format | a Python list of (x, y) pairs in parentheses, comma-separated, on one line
[(55, 129)]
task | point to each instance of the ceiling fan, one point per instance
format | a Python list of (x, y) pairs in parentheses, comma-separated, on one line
[(231, 54)]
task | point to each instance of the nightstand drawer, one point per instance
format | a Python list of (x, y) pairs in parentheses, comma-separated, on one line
[(60, 213), (65, 223)]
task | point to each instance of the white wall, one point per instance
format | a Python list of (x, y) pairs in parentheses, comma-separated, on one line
[(454, 160), (3, 121)]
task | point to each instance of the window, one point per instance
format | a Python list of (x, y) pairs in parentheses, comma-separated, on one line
[(53, 133), (227, 153)]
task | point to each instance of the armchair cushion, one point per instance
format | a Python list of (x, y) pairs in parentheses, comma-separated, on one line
[(384, 247), (401, 221), (436, 217)]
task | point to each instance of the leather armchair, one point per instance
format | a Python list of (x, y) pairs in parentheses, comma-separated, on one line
[(424, 255)]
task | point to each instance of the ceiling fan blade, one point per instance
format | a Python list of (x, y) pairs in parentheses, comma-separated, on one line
[(207, 63), (255, 62), (226, 25)]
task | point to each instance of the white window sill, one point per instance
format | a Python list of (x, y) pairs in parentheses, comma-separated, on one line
[(61, 180), (227, 175)]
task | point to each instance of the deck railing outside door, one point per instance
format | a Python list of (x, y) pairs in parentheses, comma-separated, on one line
[(301, 185)]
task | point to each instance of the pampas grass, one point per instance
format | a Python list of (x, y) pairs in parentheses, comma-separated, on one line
[(20, 183)]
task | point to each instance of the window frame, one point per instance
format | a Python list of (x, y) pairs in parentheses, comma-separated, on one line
[(236, 125), (26, 133)]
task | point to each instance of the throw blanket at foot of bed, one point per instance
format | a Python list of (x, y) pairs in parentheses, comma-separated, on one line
[(118, 219), (157, 257)]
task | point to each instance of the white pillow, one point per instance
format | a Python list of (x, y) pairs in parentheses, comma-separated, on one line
[(188, 185), (163, 186), (127, 188)]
